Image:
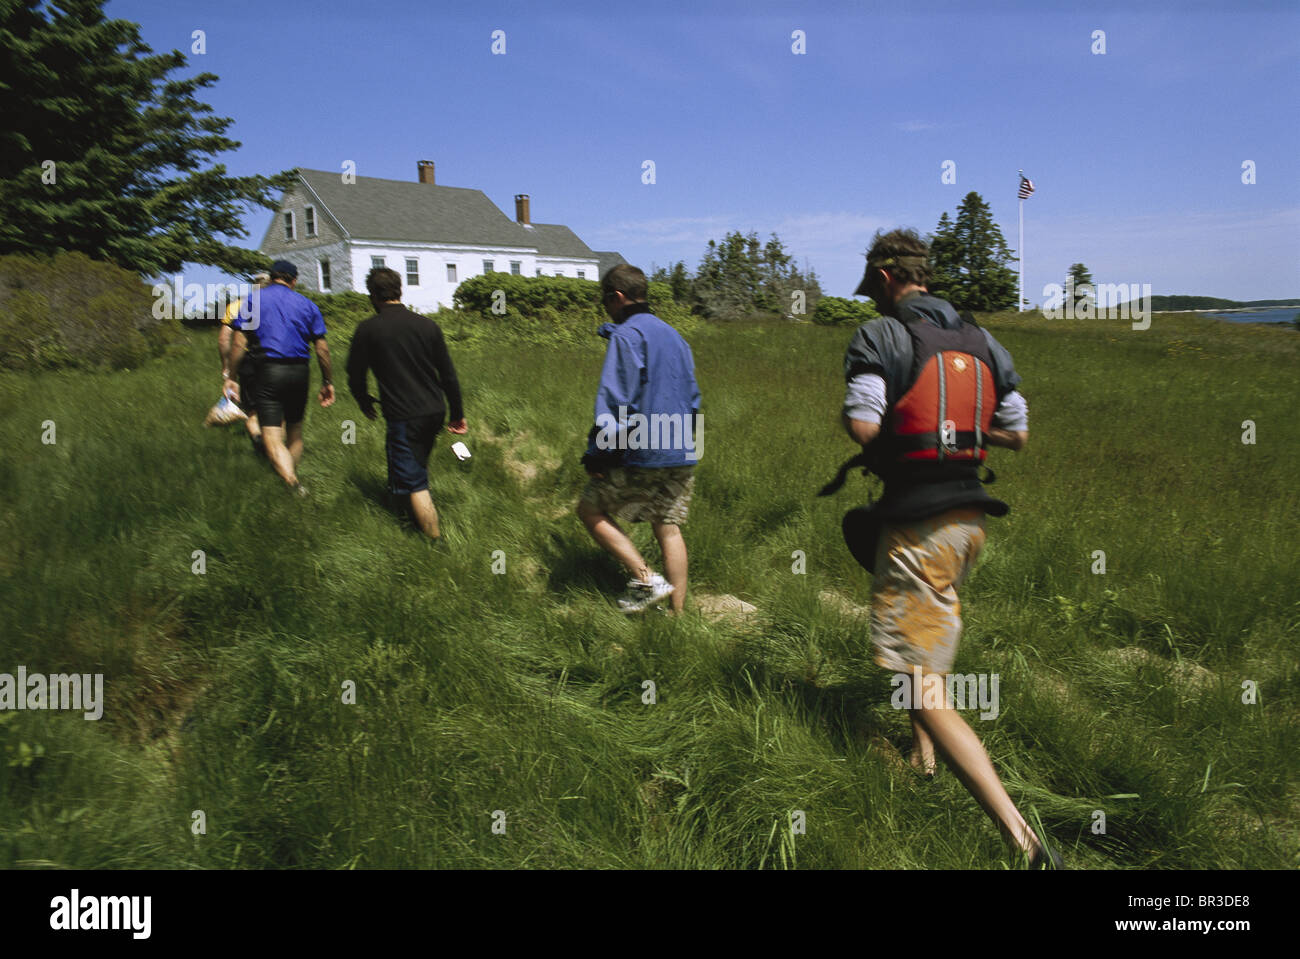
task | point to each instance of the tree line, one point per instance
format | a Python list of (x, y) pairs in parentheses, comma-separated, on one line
[(740, 277)]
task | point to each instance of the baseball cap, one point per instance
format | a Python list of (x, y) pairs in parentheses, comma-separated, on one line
[(285, 267)]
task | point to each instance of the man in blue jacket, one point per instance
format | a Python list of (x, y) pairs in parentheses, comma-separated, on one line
[(641, 454)]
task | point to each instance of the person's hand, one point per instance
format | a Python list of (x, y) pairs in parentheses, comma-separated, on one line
[(458, 427), (327, 395), (230, 388)]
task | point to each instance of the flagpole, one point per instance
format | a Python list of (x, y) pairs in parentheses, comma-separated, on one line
[(1020, 302)]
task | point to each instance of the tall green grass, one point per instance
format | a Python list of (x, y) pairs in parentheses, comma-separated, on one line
[(523, 692)]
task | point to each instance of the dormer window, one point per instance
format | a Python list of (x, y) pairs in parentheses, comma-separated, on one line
[(289, 232)]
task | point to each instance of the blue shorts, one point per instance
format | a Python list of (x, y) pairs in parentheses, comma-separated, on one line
[(409, 444)]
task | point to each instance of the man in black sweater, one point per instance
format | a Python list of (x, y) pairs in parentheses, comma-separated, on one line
[(417, 387)]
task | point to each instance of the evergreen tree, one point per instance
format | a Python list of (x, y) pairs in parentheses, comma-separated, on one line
[(679, 281), (1077, 279), (945, 259), (739, 277), (102, 153), (969, 258)]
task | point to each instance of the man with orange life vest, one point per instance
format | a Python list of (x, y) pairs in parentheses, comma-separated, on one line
[(927, 391)]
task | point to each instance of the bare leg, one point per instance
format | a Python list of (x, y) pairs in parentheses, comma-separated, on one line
[(674, 550), (279, 455), (607, 533), (251, 424), (426, 517), (922, 757), (295, 442), (964, 752)]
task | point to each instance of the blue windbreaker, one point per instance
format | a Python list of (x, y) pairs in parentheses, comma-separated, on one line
[(648, 403)]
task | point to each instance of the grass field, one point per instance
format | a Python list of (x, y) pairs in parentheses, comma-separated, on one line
[(476, 692)]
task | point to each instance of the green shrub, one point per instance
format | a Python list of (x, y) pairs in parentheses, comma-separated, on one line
[(670, 311), (544, 309), (831, 310), (342, 311), (525, 296), (28, 337), (70, 310)]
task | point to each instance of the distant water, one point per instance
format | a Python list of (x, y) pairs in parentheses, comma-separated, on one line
[(1279, 314)]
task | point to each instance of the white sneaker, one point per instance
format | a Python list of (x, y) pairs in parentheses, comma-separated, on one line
[(641, 595)]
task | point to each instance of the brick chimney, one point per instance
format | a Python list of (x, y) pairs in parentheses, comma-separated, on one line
[(425, 170), (521, 209)]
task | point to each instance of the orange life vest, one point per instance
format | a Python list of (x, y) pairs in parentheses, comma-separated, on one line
[(938, 428)]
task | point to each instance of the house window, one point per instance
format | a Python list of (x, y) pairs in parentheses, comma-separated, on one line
[(412, 271), (309, 220), (324, 275), (451, 272), (376, 262), (288, 225), (582, 274), (514, 267), (488, 266), (539, 271)]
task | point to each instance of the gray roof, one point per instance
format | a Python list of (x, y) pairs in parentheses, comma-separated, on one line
[(608, 259), (556, 240), (378, 209)]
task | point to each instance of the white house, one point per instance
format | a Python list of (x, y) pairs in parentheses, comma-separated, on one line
[(434, 236)]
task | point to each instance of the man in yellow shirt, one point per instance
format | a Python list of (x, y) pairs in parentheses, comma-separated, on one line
[(246, 375)]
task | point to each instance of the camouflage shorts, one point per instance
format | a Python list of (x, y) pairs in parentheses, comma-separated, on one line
[(637, 495), (915, 612)]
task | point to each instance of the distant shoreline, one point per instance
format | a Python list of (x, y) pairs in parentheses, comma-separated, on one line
[(1235, 309)]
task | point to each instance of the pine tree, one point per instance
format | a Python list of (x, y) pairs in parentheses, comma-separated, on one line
[(970, 262), (101, 152), (1079, 280), (741, 277), (945, 259), (679, 280)]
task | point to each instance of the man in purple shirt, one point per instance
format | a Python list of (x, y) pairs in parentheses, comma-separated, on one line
[(283, 326)]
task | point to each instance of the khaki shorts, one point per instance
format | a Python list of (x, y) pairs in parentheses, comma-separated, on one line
[(915, 613), (637, 495)]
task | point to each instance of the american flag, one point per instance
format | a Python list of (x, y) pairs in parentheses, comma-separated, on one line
[(1026, 188)]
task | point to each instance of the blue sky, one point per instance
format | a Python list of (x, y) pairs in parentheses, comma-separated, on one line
[(1136, 153)]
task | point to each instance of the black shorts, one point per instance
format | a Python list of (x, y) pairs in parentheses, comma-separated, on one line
[(409, 444), (247, 379), (281, 396)]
